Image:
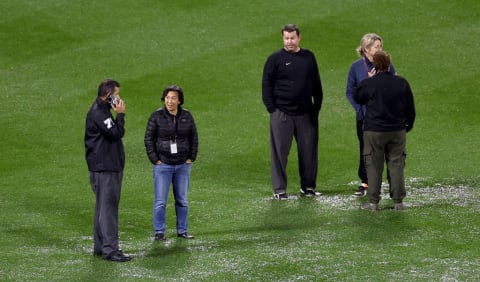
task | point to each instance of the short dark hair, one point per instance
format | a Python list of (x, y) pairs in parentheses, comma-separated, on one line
[(107, 86), (175, 88), (381, 61), (291, 28)]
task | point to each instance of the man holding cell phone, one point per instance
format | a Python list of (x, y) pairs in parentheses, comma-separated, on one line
[(105, 156)]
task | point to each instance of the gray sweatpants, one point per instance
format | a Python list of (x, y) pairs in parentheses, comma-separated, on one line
[(283, 128), (107, 187), (381, 146)]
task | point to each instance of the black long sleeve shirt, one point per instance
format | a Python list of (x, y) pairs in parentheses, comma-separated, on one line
[(291, 83)]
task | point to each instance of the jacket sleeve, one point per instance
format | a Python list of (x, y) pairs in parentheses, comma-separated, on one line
[(317, 87), (410, 110), (268, 85), (151, 139), (351, 89), (111, 129), (193, 150)]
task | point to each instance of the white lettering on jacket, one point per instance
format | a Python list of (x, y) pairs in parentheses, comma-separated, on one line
[(109, 122)]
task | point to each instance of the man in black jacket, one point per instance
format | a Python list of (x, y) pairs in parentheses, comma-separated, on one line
[(292, 94), (105, 157), (390, 114)]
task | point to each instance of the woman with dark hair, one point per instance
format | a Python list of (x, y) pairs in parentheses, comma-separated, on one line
[(390, 115), (171, 142)]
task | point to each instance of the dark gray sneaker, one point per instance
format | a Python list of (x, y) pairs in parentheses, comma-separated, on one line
[(369, 207), (280, 196)]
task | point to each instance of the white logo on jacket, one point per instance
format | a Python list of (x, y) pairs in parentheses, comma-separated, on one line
[(109, 122)]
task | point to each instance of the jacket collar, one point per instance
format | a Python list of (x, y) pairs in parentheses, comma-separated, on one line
[(104, 105), (165, 111)]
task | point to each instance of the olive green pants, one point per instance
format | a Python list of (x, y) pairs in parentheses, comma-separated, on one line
[(389, 147)]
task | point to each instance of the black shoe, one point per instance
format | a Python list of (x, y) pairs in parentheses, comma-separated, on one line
[(97, 254), (308, 192), (117, 256), (280, 196), (185, 235), (160, 237)]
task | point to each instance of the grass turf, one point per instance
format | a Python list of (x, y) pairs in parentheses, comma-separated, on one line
[(54, 54)]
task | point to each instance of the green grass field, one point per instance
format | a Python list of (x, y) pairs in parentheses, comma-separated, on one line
[(55, 53)]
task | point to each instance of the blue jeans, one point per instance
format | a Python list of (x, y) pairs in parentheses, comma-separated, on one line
[(163, 176)]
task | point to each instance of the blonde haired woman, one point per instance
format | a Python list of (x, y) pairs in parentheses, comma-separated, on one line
[(359, 70)]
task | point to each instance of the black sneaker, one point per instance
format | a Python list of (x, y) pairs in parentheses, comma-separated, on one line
[(185, 235), (160, 237), (360, 192), (308, 192), (280, 196)]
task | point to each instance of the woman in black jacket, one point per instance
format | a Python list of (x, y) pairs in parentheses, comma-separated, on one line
[(171, 141)]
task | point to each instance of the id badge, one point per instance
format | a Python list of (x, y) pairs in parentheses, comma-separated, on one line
[(173, 148)]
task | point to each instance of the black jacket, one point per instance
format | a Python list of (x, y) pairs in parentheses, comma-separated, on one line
[(291, 83), (389, 101), (162, 131), (103, 138)]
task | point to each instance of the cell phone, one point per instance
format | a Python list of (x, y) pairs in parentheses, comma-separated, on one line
[(112, 100)]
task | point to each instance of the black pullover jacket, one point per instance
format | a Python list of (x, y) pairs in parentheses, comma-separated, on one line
[(389, 101), (291, 83), (103, 138)]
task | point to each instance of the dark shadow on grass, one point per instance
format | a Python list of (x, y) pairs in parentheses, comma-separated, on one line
[(290, 215), (383, 225), (173, 254), (169, 255), (166, 248), (280, 223)]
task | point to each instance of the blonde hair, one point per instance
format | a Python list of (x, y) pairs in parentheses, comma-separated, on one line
[(367, 42)]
